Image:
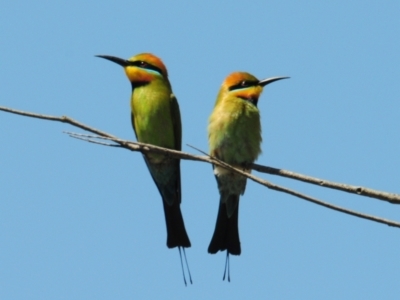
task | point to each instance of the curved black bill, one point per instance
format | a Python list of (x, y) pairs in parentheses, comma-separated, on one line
[(117, 60), (264, 82)]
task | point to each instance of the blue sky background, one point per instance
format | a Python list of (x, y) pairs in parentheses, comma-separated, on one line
[(81, 221)]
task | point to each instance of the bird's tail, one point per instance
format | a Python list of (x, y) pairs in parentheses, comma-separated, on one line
[(226, 233), (176, 232), (167, 177)]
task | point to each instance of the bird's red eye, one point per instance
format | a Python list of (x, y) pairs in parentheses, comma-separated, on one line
[(243, 83), (143, 64)]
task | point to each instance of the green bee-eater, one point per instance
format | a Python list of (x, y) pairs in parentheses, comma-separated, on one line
[(234, 136), (156, 120)]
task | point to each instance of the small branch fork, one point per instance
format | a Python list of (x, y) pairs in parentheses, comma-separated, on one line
[(145, 148)]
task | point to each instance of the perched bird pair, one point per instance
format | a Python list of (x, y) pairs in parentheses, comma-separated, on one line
[(234, 134)]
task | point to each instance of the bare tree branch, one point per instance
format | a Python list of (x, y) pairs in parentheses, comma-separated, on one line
[(215, 161), (362, 191), (63, 119), (134, 146)]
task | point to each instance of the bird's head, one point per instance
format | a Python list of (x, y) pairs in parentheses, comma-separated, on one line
[(141, 68), (245, 86)]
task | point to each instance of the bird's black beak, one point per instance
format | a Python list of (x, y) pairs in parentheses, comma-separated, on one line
[(120, 61), (264, 82)]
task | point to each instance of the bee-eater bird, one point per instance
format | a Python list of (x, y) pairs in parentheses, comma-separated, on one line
[(234, 136), (156, 120)]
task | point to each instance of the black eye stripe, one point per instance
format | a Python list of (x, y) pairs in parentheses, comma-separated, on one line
[(243, 84), (145, 65)]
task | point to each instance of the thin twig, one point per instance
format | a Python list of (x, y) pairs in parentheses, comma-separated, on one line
[(89, 139), (144, 148)]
